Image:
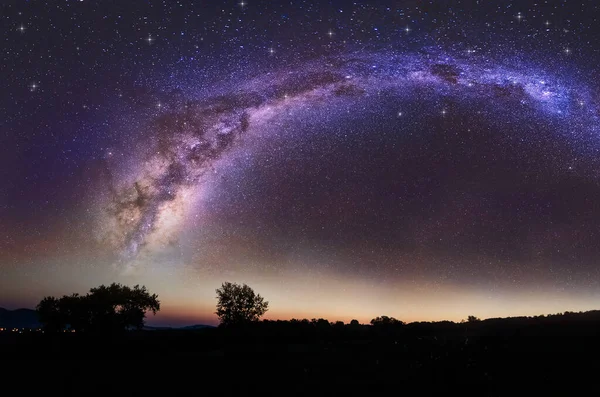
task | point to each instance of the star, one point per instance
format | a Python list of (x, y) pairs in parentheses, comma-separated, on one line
[(21, 29), (149, 39), (33, 87)]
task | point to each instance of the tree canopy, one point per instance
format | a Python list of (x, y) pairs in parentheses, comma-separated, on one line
[(104, 309), (239, 304), (385, 321)]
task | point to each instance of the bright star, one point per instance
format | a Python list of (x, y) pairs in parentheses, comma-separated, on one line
[(22, 29), (149, 39), (33, 87)]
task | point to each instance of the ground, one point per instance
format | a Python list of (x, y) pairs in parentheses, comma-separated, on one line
[(485, 358)]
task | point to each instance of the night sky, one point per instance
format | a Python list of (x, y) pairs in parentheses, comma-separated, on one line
[(418, 159)]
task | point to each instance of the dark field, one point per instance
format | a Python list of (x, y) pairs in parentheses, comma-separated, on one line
[(523, 356)]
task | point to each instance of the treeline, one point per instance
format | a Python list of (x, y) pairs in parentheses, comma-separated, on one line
[(436, 327)]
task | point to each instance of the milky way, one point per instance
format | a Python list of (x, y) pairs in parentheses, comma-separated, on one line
[(189, 136)]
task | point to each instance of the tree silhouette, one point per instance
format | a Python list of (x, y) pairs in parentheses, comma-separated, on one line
[(385, 320), (239, 304), (50, 315), (110, 308), (473, 319), (118, 307)]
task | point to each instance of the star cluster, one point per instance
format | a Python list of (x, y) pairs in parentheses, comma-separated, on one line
[(426, 160)]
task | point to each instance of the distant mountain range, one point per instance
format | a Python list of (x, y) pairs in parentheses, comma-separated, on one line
[(20, 318), (188, 328), (27, 318)]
